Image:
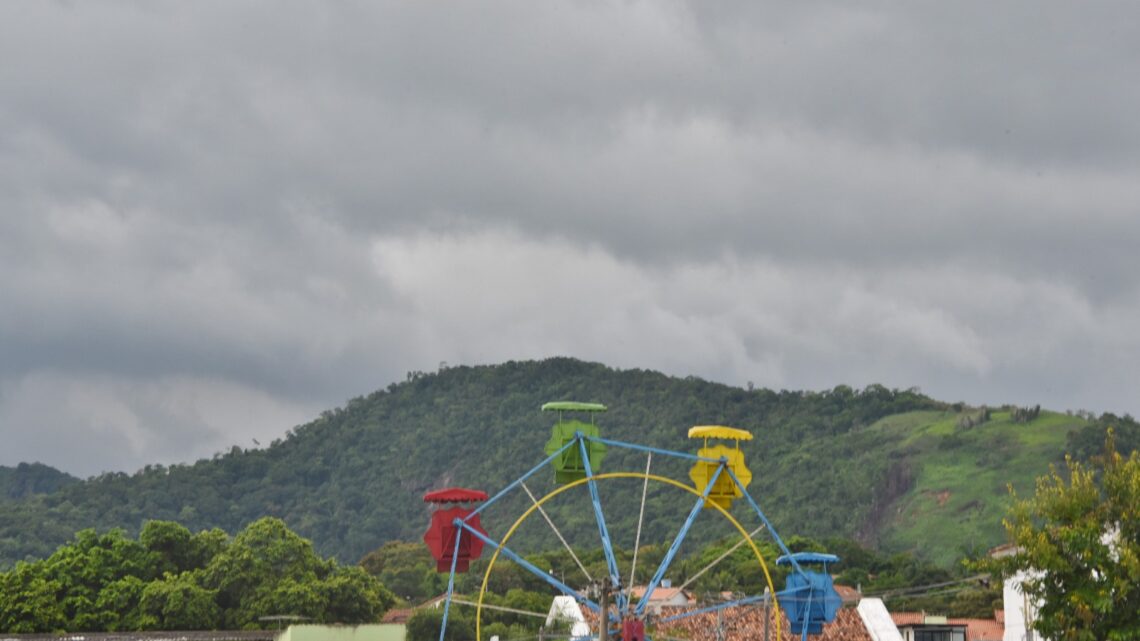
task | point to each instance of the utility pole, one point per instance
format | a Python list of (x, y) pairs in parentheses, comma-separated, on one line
[(767, 611), (604, 620)]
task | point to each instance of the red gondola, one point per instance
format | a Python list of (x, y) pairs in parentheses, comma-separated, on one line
[(440, 536), (633, 630)]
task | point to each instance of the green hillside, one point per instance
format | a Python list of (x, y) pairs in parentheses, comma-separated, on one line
[(960, 476), (889, 467), (27, 479)]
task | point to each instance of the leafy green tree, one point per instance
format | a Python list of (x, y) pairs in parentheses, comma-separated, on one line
[(424, 625), (256, 575), (179, 602), (1088, 441), (352, 595), (119, 603), (406, 569), (1078, 541), (73, 588), (270, 570), (171, 579), (29, 601), (171, 543)]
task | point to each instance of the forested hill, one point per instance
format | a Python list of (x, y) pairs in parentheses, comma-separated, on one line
[(27, 479), (894, 468)]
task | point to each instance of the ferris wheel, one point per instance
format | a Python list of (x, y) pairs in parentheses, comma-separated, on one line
[(717, 478)]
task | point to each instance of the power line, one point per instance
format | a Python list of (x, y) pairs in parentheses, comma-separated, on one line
[(501, 608), (905, 591)]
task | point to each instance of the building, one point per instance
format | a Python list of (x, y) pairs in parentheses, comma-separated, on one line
[(664, 596), (1019, 610), (919, 626), (364, 632)]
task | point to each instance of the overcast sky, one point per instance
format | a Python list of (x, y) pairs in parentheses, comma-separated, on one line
[(219, 218)]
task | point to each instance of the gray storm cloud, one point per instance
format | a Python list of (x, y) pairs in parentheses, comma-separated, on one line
[(218, 219)]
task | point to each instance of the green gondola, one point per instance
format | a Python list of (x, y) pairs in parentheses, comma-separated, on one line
[(568, 466)]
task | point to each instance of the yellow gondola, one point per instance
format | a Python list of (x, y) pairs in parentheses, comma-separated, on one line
[(724, 491)]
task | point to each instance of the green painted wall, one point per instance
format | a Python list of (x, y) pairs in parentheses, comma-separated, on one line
[(367, 632)]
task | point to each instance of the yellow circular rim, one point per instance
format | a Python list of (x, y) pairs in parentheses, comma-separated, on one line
[(622, 475)]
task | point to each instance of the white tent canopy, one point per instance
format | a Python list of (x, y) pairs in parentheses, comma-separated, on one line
[(564, 610)]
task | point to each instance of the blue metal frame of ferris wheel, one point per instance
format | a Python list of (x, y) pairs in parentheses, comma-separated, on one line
[(603, 531), (580, 441)]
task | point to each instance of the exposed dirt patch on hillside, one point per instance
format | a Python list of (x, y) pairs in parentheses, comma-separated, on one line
[(899, 480)]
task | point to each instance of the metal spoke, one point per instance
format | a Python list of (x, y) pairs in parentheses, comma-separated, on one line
[(713, 608), (503, 492), (557, 533), (676, 545), (768, 524), (500, 608), (722, 557), (640, 519), (451, 580), (530, 567)]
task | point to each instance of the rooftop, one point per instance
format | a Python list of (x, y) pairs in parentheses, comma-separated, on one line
[(976, 629)]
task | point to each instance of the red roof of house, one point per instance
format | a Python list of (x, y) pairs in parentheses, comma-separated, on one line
[(976, 629), (660, 594), (908, 618), (746, 623), (397, 615), (981, 629)]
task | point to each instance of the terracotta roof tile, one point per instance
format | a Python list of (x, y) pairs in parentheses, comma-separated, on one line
[(660, 594), (847, 593), (908, 618), (976, 629), (981, 629), (397, 615), (746, 623)]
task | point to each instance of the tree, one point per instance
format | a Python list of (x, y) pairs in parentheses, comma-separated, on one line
[(28, 601), (354, 595), (406, 569), (270, 570), (425, 623), (172, 579), (91, 584), (1078, 541), (171, 544), (179, 603)]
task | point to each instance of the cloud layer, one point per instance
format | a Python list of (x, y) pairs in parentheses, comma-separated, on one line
[(218, 219)]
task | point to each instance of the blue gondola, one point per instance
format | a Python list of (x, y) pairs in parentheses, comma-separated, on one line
[(809, 597)]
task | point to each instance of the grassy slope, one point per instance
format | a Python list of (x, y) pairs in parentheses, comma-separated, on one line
[(960, 486)]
